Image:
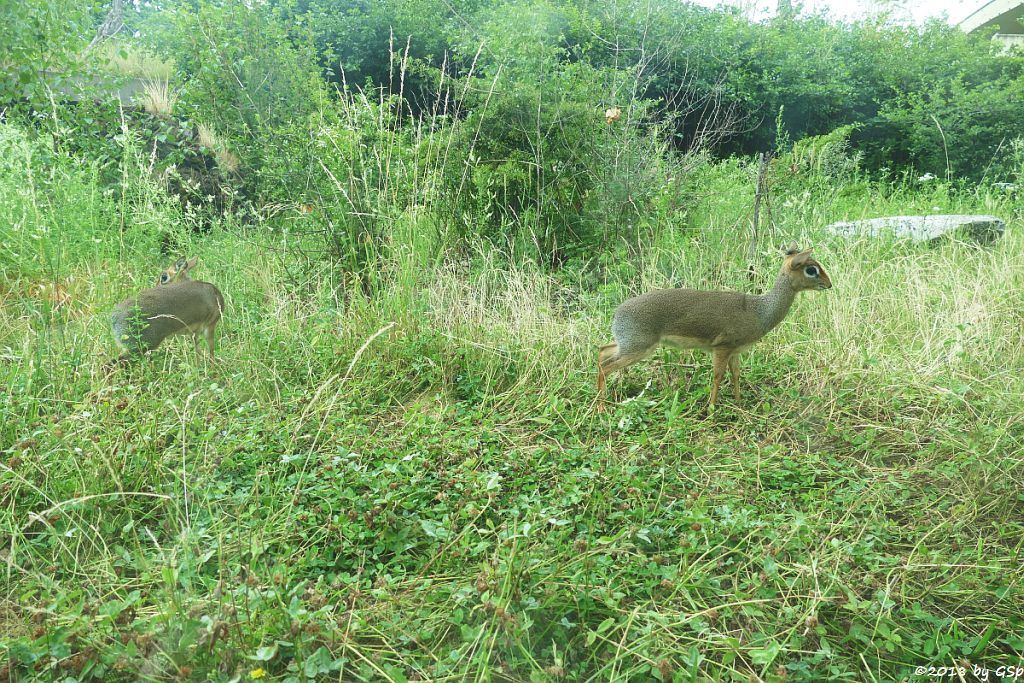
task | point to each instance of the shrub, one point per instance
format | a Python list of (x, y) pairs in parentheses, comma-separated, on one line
[(244, 74), (37, 37)]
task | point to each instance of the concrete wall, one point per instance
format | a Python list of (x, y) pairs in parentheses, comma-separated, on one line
[(1010, 40), (71, 87), (1008, 15)]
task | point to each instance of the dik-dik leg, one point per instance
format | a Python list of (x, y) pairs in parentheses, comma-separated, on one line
[(208, 333), (611, 358), (720, 362), (734, 370)]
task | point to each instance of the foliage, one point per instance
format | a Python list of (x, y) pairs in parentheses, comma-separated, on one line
[(718, 78), (55, 213), (359, 43), (957, 129), (490, 120), (40, 35), (885, 77), (245, 75)]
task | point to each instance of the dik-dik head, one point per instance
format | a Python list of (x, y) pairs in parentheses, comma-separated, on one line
[(803, 271), (178, 272)]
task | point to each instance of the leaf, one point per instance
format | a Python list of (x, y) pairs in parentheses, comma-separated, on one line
[(319, 662), (433, 529), (763, 656), (265, 653)]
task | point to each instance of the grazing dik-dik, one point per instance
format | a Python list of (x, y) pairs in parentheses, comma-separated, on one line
[(176, 305), (724, 323)]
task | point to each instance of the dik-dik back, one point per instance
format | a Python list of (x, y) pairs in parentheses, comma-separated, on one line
[(177, 305), (689, 318)]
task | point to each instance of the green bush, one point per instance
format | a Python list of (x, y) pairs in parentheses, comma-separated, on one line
[(958, 128), (37, 37), (54, 214), (718, 78), (255, 82)]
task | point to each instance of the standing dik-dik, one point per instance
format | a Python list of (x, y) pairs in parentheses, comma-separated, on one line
[(177, 305), (724, 323)]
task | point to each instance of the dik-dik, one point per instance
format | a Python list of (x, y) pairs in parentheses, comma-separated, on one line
[(723, 323), (176, 305)]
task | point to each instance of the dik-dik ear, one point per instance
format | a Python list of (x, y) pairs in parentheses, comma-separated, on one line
[(799, 259), (191, 263), (791, 249)]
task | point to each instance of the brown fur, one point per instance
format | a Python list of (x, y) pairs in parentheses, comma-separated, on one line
[(177, 305), (722, 323)]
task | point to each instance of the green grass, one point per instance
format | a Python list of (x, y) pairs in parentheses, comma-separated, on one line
[(439, 501)]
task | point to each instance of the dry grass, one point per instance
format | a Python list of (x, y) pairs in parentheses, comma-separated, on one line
[(227, 160), (158, 98), (208, 139)]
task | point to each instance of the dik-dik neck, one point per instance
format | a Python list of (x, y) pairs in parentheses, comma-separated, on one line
[(772, 306)]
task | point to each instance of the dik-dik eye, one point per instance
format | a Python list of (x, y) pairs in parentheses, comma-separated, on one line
[(164, 277), (811, 271)]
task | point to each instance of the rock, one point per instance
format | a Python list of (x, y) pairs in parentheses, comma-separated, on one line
[(923, 228)]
